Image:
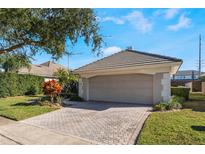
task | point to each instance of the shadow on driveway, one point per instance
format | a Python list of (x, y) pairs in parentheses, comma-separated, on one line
[(100, 106)]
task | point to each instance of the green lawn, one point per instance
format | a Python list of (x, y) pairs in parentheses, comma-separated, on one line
[(180, 127), (17, 108)]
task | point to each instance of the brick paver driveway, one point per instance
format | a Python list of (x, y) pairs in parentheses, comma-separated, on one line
[(99, 123)]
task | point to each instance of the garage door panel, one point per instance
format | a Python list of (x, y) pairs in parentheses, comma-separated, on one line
[(135, 88)]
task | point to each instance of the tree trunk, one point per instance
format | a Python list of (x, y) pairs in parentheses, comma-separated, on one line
[(52, 99)]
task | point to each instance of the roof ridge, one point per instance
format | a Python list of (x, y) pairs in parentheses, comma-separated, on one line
[(49, 63), (154, 55)]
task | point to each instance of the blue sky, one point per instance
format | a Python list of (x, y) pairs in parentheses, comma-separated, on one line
[(171, 32)]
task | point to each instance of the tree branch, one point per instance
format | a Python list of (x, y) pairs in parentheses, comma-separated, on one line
[(20, 45), (11, 48)]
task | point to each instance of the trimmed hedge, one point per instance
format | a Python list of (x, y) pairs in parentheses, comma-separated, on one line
[(202, 78), (180, 91), (13, 84)]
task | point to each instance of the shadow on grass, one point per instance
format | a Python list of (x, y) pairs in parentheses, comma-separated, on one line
[(198, 128), (8, 117), (31, 103), (198, 110), (198, 106)]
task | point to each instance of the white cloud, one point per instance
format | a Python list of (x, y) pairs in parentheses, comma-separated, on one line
[(113, 19), (111, 50), (168, 13), (137, 19), (171, 13), (184, 22)]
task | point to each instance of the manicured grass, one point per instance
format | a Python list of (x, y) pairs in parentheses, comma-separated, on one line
[(179, 127), (197, 97), (196, 102), (17, 108)]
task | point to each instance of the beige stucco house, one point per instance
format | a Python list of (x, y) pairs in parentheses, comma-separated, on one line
[(128, 76), (45, 70)]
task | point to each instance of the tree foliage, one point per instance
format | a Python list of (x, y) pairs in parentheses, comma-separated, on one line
[(65, 77), (13, 62), (46, 30), (68, 81)]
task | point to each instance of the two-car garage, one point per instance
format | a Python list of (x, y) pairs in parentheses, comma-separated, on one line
[(128, 76), (129, 88)]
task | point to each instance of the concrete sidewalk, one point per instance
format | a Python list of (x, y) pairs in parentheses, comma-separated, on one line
[(6, 141), (12, 132)]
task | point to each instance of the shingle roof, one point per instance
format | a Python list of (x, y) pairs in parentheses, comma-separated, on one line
[(46, 69), (128, 58)]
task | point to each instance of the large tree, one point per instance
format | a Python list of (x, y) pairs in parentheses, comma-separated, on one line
[(46, 30), (10, 62)]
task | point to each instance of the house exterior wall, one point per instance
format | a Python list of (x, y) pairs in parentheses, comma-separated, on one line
[(80, 88), (49, 79), (83, 88), (166, 86), (203, 88), (157, 88)]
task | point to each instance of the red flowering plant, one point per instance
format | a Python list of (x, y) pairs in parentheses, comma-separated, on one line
[(52, 89)]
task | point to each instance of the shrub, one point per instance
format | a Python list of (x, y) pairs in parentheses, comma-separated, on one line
[(64, 76), (160, 107), (173, 103), (70, 89), (181, 92), (58, 99), (68, 81), (32, 90), (75, 97), (202, 78), (52, 89), (46, 100), (13, 84), (177, 99)]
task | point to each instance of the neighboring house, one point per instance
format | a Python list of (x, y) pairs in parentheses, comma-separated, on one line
[(45, 70), (128, 76), (186, 75), (203, 74), (187, 78)]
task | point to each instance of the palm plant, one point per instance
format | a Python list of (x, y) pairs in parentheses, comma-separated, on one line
[(65, 76), (68, 81)]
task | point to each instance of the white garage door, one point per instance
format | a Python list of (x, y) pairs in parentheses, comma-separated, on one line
[(133, 88)]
